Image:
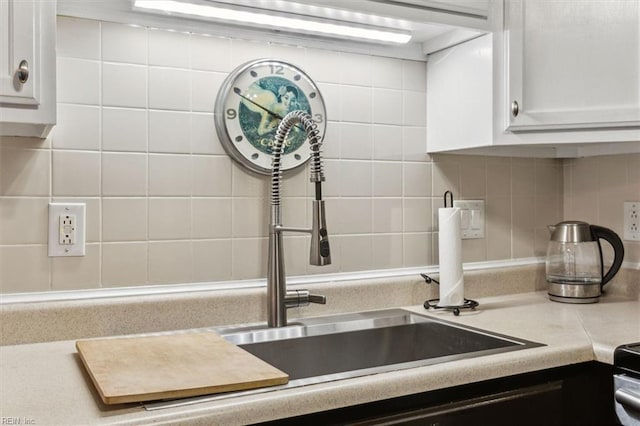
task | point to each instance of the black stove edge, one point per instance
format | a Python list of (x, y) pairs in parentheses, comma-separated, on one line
[(627, 358)]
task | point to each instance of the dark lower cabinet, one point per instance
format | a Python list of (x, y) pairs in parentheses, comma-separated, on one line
[(580, 394)]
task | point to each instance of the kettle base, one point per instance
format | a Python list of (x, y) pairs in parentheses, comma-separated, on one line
[(574, 293), (581, 300)]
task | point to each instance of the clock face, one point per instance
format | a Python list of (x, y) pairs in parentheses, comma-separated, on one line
[(250, 105)]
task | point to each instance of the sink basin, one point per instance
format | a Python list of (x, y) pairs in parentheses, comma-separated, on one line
[(323, 349), (341, 346)]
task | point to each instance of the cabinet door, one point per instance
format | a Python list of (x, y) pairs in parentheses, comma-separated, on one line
[(19, 46), (572, 64)]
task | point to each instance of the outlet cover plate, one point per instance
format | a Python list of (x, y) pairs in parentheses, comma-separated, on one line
[(58, 244), (631, 221)]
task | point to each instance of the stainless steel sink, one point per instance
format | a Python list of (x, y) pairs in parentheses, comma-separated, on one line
[(323, 349)]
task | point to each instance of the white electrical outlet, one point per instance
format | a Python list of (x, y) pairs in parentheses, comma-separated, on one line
[(471, 218), (631, 221), (66, 229)]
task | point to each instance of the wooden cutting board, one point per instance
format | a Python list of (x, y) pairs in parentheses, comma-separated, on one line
[(134, 369)]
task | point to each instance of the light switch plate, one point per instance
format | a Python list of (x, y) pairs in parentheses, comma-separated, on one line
[(471, 218), (66, 229)]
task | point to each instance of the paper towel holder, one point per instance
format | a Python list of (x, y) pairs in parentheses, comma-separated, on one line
[(433, 303), (450, 199)]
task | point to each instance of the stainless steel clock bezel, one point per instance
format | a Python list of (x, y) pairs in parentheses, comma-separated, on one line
[(228, 129)]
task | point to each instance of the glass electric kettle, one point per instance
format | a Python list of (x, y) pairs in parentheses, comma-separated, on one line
[(574, 266)]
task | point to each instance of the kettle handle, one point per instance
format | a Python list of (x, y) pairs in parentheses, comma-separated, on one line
[(600, 232)]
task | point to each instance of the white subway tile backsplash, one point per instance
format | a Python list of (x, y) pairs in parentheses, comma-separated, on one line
[(356, 104), (78, 127), (415, 108), (204, 89), (124, 129), (211, 218), (295, 183), (169, 175), (355, 179), (169, 131), (387, 142), (296, 255), (356, 141), (357, 253), (78, 38), (204, 139), (76, 173), (387, 251), (414, 145), (124, 43), (243, 51), (76, 273), (356, 69), (169, 262), (418, 215), (387, 215), (124, 174), (332, 94), (24, 172), (168, 48), (250, 217), (414, 76), (387, 179), (211, 176), (124, 264), (387, 106), (78, 81), (169, 88), (24, 269), (417, 249), (136, 142), (319, 64), (124, 85), (244, 252), (446, 177), (387, 73), (417, 179), (23, 220), (169, 218), (498, 228), (210, 53), (246, 184), (124, 219), (211, 260), (359, 219)]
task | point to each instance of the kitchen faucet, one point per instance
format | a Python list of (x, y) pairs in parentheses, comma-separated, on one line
[(279, 299)]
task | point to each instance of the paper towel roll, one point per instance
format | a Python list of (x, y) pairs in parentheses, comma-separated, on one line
[(450, 248)]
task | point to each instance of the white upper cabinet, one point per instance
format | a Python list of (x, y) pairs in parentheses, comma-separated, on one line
[(17, 85), (27, 67), (560, 79), (573, 64)]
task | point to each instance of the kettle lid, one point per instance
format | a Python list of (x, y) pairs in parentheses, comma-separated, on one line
[(572, 231)]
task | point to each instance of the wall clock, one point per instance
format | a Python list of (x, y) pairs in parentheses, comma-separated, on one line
[(252, 101)]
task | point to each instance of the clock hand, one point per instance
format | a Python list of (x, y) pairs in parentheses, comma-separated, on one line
[(271, 113)]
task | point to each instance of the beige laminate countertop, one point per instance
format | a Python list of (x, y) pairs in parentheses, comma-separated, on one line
[(45, 383)]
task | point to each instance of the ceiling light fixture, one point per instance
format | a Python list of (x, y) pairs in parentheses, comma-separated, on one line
[(295, 24)]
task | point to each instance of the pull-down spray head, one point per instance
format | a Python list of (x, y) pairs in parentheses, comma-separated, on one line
[(320, 253)]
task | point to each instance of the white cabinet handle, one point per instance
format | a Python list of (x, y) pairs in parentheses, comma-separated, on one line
[(23, 72)]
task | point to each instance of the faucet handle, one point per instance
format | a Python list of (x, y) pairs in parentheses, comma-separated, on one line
[(295, 298), (319, 299)]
